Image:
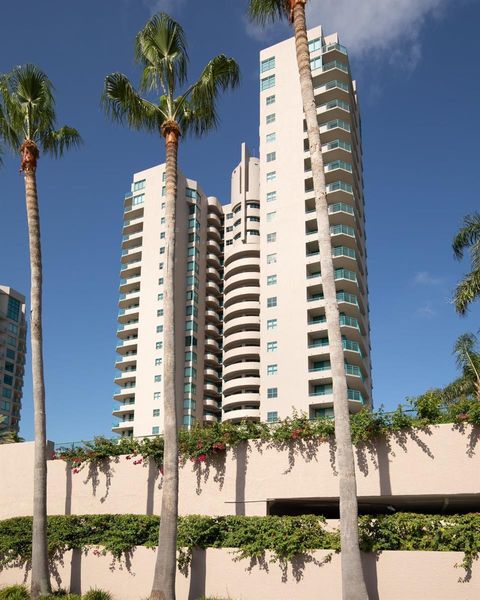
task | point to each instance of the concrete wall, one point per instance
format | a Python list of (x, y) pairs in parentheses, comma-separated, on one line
[(440, 460), (390, 576)]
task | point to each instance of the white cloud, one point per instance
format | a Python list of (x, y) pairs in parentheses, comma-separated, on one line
[(168, 6), (426, 312), (377, 25), (426, 278)]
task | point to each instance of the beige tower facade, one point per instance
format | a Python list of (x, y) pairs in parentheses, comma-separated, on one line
[(294, 354), (13, 335), (139, 397)]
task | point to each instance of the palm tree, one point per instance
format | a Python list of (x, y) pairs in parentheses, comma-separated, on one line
[(468, 360), (161, 49), (353, 583), (27, 124), (468, 288)]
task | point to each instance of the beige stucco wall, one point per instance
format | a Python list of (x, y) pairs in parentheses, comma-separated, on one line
[(439, 460), (390, 576)]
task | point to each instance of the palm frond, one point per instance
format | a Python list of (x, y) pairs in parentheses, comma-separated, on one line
[(161, 47), (464, 348), (56, 142), (460, 387), (466, 292), (468, 235), (263, 11), (199, 114), (123, 103)]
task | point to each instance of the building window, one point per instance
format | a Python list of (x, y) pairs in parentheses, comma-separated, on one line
[(271, 279), (229, 242), (272, 369), (13, 309), (161, 265), (191, 357), (162, 237), (267, 64), (271, 302), (160, 312), (229, 216), (157, 378), (190, 372), (272, 393), (162, 206), (158, 345), (138, 185), (267, 82), (270, 100), (164, 190), (270, 137), (272, 346), (138, 199), (162, 251), (162, 221), (271, 156), (157, 395), (159, 328), (272, 323), (271, 237), (160, 297), (253, 232), (270, 118), (314, 45), (6, 393), (272, 417), (158, 362), (271, 259), (230, 228), (156, 412), (271, 176), (188, 420), (160, 281), (191, 326), (192, 310), (271, 196), (271, 216), (155, 430)]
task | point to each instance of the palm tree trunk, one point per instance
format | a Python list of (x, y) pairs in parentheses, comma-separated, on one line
[(166, 564), (40, 572), (353, 583)]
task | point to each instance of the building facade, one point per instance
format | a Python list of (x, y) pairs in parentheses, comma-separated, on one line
[(138, 408), (13, 335), (251, 332)]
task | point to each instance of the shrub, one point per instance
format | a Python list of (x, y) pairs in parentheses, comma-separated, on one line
[(15, 592), (97, 594)]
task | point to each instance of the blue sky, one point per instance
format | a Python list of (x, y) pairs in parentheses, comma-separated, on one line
[(416, 63)]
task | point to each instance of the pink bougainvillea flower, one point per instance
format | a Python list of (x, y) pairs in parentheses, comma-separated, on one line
[(202, 457), (75, 471)]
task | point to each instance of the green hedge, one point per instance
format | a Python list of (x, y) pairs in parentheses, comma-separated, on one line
[(285, 537), (201, 443)]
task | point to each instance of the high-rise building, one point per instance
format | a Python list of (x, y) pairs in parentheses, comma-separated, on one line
[(13, 334), (294, 354), (251, 333), (197, 305)]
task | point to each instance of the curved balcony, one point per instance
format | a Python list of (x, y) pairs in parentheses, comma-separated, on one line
[(238, 400), (213, 273), (241, 309), (212, 360), (126, 330), (214, 206), (247, 414), (212, 301), (130, 284), (232, 355), (214, 232), (211, 388), (214, 219), (125, 315), (213, 260), (243, 265), (212, 287), (133, 254), (122, 426), (238, 252), (126, 378), (211, 345), (211, 374), (132, 297), (210, 418), (241, 323), (123, 409), (213, 246), (247, 293), (247, 338), (127, 345), (126, 361), (212, 315), (132, 240), (212, 404), (242, 280), (238, 384), (124, 393), (212, 330), (241, 368)]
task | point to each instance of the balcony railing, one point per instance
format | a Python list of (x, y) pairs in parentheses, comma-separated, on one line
[(338, 229), (340, 207)]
